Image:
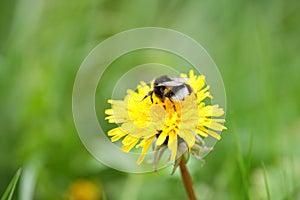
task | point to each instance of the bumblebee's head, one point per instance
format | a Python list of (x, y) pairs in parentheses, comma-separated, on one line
[(159, 88)]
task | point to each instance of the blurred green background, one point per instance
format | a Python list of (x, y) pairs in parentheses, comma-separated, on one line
[(255, 45)]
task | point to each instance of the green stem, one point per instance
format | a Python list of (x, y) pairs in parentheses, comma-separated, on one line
[(186, 178)]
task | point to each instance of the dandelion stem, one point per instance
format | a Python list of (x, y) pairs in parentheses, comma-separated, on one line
[(187, 180)]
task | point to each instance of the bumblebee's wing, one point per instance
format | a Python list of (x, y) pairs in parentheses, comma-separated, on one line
[(180, 79), (179, 92), (173, 82), (170, 84)]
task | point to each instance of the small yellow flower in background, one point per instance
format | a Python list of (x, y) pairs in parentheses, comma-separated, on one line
[(179, 125), (84, 190)]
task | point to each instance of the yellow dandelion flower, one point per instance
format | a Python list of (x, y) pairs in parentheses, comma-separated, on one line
[(166, 116), (84, 190)]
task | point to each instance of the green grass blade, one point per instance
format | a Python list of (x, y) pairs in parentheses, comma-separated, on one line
[(266, 182), (12, 186), (243, 166), (104, 196)]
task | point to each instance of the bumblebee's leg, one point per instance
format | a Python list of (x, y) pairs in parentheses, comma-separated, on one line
[(173, 104), (168, 95), (189, 88), (149, 95)]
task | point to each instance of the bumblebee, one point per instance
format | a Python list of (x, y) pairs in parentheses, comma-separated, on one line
[(172, 88)]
